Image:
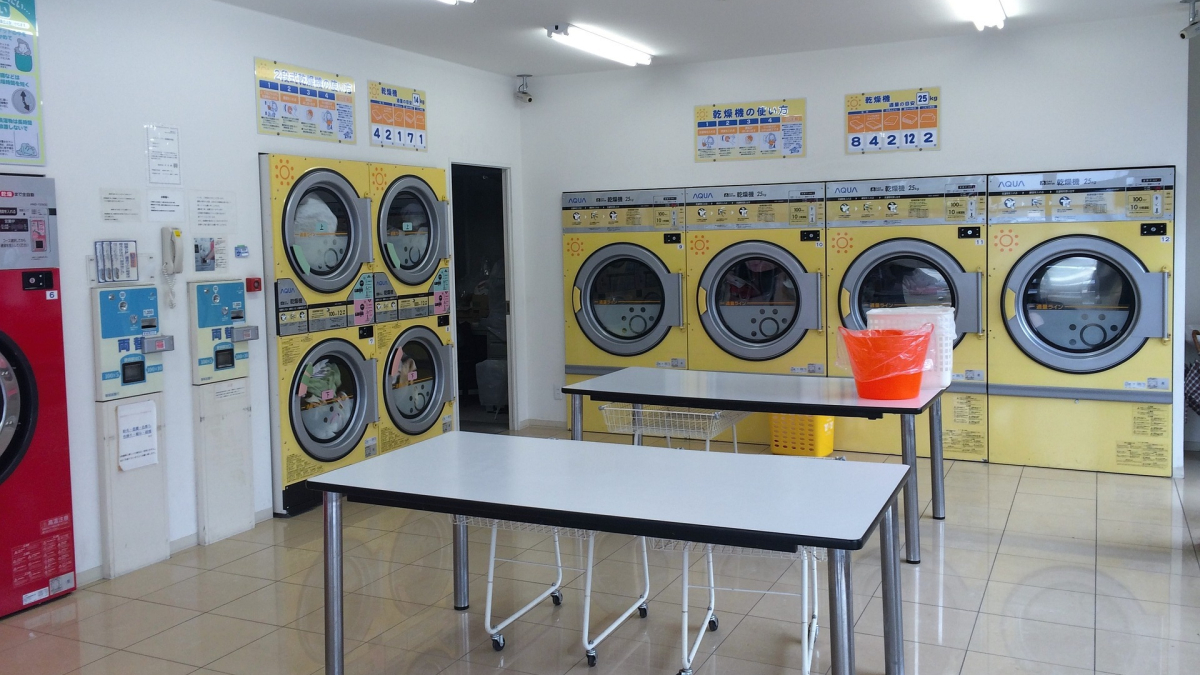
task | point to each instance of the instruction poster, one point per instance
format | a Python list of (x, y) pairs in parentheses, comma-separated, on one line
[(889, 121), (20, 95), (397, 116), (303, 103), (750, 130), (137, 443)]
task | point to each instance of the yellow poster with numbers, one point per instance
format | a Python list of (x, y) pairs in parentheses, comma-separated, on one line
[(891, 121), (397, 116), (750, 130), (304, 103)]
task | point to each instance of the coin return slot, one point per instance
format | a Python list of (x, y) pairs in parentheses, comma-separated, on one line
[(237, 315), (149, 324), (223, 358)]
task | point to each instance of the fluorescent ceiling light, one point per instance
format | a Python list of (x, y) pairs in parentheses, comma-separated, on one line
[(455, 2), (597, 44), (983, 13)]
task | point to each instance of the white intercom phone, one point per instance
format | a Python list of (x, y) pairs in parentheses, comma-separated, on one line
[(173, 255)]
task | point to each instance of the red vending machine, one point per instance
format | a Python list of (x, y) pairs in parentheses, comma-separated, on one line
[(37, 540)]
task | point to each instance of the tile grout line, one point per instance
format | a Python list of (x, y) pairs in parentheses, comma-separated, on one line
[(1096, 588)]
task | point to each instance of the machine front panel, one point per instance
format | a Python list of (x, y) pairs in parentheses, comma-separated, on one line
[(126, 319), (756, 206), (217, 309), (625, 211), (28, 223)]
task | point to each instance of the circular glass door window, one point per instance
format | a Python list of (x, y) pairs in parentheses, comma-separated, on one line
[(626, 297), (904, 281), (407, 231), (757, 300), (411, 380), (327, 394), (1079, 304), (10, 413), (321, 231)]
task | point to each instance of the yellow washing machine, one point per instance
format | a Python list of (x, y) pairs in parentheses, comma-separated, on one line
[(1079, 339), (755, 260), (412, 242), (416, 380), (317, 239), (623, 267), (913, 242)]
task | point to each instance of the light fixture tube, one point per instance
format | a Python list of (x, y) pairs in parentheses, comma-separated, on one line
[(455, 2), (985, 13), (597, 44)]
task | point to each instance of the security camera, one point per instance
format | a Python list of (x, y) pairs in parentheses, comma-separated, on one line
[(1190, 32), (1193, 27), (522, 93)]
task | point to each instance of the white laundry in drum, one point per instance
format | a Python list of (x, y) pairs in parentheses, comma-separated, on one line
[(317, 237)]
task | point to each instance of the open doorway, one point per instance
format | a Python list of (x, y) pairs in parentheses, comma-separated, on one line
[(481, 334)]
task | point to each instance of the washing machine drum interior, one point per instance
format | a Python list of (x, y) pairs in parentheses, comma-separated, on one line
[(18, 407), (627, 299), (415, 385), (323, 227), (331, 400), (1079, 304), (411, 230)]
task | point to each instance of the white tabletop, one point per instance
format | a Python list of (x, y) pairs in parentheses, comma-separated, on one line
[(795, 394), (761, 501)]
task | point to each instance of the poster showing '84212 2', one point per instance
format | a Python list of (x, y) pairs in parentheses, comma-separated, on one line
[(889, 121)]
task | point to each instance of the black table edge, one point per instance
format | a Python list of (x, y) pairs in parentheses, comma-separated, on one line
[(745, 406)]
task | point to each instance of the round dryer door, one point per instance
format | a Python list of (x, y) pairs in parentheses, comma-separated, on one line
[(324, 231), (412, 230), (18, 406), (626, 299), (417, 380), (757, 301), (1082, 304), (332, 400), (910, 273)]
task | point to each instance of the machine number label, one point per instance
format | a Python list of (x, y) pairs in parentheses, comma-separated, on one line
[(1166, 240), (40, 594), (51, 295)]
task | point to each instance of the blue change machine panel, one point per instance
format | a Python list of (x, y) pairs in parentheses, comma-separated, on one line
[(219, 335), (128, 342)]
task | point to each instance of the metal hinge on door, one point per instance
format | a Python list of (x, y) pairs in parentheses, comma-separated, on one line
[(508, 308)]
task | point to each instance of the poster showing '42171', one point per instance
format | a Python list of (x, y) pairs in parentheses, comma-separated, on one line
[(890, 121)]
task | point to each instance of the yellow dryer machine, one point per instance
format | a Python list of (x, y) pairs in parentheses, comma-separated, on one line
[(412, 242), (416, 381), (1079, 337), (317, 241), (755, 258), (913, 242), (623, 267)]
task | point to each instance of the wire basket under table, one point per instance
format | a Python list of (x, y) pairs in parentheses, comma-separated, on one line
[(671, 422)]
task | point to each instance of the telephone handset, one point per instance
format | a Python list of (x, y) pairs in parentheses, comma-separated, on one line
[(172, 250)]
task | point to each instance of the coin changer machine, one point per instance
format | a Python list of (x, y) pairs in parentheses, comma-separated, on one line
[(129, 383), (220, 352)]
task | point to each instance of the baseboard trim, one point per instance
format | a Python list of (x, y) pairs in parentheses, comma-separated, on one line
[(552, 424), (265, 514), (184, 543), (89, 577)]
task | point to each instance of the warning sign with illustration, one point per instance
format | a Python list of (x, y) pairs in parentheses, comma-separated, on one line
[(397, 116), (20, 113), (304, 103), (750, 130), (888, 121)]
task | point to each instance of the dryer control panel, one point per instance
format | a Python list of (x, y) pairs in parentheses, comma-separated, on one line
[(219, 336), (128, 342)]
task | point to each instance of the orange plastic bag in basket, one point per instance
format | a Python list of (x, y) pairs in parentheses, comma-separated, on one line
[(887, 364)]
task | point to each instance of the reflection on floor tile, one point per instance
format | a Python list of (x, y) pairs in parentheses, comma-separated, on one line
[(1034, 572)]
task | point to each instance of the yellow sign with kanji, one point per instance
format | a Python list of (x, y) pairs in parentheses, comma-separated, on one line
[(750, 130), (888, 121)]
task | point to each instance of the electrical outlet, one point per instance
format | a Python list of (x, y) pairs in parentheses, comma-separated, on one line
[(557, 389)]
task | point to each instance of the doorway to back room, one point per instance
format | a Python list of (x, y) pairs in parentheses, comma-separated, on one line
[(481, 334)]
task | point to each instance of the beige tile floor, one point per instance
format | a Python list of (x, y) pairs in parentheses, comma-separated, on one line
[(1034, 571)]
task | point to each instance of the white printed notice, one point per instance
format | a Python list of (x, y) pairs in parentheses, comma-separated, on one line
[(213, 209), (120, 206), (137, 442), (162, 155), (166, 206)]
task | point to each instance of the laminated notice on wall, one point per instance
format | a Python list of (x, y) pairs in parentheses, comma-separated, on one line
[(888, 121), (397, 116), (137, 440), (21, 137), (304, 103), (750, 130)]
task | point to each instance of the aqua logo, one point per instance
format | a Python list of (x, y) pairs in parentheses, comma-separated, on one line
[(845, 190), (576, 200), (702, 195), (1009, 184)]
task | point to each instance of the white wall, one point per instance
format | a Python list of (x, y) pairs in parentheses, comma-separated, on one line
[(108, 69), (1085, 96)]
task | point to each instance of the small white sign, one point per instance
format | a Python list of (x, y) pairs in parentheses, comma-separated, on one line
[(230, 389), (166, 206), (137, 440), (162, 155), (213, 209), (120, 206)]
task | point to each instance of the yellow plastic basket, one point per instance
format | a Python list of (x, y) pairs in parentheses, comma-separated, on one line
[(807, 435)]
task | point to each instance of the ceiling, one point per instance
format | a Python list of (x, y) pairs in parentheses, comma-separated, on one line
[(509, 37)]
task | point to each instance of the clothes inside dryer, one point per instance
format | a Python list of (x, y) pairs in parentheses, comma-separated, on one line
[(321, 231), (906, 281), (626, 296), (406, 231), (16, 411), (1079, 304), (757, 299), (327, 394), (411, 378)]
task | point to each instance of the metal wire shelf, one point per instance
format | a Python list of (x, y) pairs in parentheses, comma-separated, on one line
[(675, 545), (514, 526), (672, 422)]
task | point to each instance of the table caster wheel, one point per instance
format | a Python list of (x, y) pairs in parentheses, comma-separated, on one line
[(591, 660), (713, 624), (556, 597), (643, 611), (498, 642)]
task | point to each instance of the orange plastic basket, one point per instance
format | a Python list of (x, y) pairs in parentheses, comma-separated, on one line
[(807, 435), (887, 364)]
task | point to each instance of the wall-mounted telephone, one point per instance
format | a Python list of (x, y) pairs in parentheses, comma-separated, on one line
[(173, 257)]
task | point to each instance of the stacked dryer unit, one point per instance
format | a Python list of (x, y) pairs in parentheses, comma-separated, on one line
[(623, 278), (1080, 349), (904, 243), (755, 260)]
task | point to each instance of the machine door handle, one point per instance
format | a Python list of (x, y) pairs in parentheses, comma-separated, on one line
[(577, 299), (366, 253), (373, 373), (1010, 304), (702, 300), (820, 301), (845, 302)]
